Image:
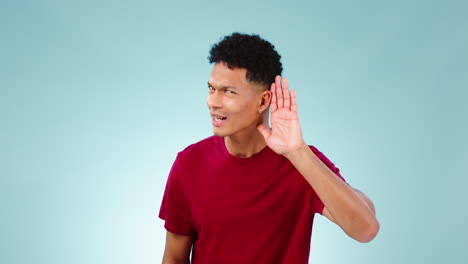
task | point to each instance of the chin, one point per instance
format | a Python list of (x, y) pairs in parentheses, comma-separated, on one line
[(218, 132)]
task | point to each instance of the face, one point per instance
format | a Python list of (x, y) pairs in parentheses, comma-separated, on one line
[(236, 105)]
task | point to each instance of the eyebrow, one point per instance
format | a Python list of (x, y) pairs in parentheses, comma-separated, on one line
[(223, 87)]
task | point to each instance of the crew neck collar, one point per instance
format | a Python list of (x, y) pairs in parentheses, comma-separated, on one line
[(264, 152)]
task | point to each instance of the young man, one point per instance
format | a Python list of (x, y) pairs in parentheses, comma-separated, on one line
[(249, 193)]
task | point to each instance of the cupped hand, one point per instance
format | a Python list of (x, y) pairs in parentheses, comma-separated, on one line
[(285, 135)]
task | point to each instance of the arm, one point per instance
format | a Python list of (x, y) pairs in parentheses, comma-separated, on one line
[(345, 206), (177, 249), (362, 196)]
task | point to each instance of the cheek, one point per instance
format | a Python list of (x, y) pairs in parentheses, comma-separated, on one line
[(246, 112), (242, 110)]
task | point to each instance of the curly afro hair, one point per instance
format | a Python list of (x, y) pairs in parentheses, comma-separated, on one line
[(251, 52)]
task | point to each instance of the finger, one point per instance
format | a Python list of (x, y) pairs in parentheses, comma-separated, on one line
[(285, 88), (264, 130), (293, 101), (273, 105), (279, 92)]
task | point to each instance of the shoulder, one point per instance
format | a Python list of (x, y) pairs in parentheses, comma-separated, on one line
[(198, 155), (318, 153), (200, 148), (316, 150), (324, 159)]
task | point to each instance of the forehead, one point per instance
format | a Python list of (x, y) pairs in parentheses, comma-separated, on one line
[(222, 75)]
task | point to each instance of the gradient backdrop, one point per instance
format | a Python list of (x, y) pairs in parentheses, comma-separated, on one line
[(97, 98)]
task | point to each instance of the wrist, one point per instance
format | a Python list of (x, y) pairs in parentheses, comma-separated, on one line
[(297, 153)]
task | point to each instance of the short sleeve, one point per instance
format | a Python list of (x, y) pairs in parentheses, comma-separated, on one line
[(174, 207), (317, 204)]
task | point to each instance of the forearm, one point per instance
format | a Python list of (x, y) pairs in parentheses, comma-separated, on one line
[(347, 208)]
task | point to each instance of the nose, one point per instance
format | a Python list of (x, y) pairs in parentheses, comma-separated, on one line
[(214, 100)]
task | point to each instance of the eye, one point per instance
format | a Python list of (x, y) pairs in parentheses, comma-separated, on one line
[(210, 88), (230, 92)]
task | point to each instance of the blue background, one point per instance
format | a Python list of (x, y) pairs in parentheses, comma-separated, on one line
[(97, 97)]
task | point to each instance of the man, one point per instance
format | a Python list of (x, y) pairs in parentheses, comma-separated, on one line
[(249, 193)]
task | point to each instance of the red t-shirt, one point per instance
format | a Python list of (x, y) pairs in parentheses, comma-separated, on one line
[(240, 210)]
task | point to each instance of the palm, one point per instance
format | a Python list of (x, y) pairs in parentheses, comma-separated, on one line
[(285, 134)]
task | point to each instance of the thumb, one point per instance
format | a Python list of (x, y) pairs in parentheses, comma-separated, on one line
[(264, 130)]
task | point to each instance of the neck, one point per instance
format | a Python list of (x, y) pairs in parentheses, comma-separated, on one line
[(245, 146)]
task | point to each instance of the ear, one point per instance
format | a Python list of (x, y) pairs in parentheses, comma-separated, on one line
[(265, 100)]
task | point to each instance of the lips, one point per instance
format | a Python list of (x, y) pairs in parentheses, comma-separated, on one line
[(218, 120)]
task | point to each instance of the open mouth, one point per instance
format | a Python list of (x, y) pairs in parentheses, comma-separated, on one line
[(220, 118)]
